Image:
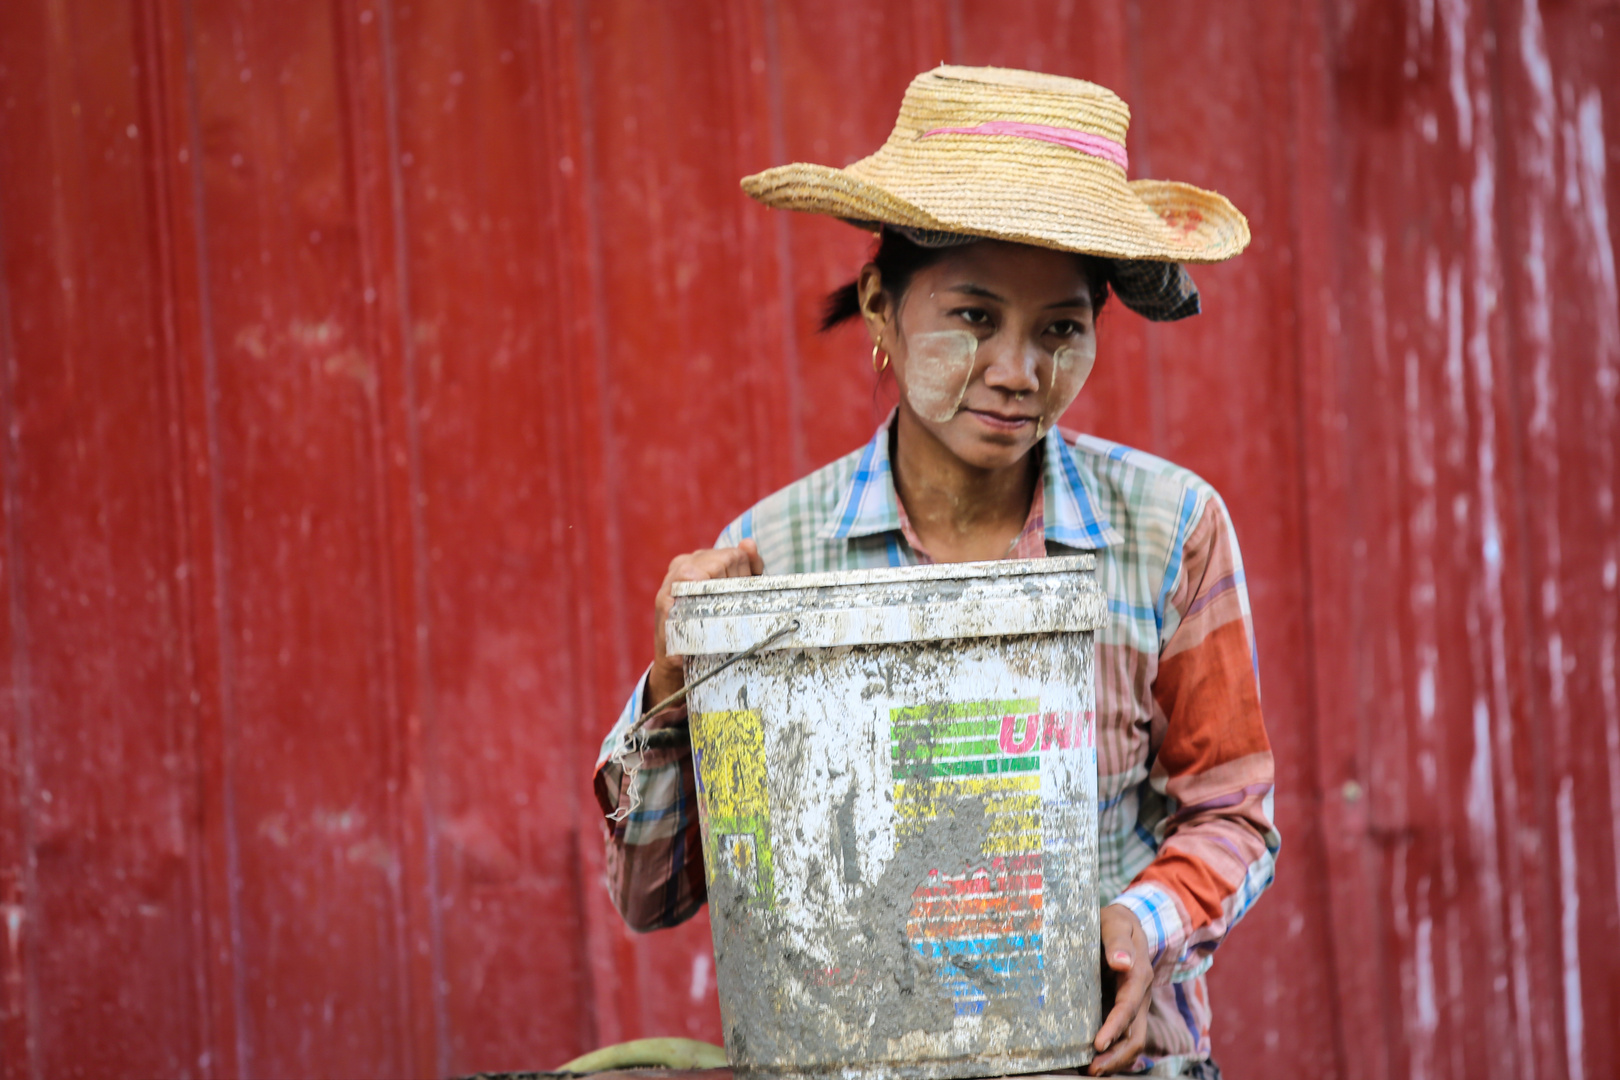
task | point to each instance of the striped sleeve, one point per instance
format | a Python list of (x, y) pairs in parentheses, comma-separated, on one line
[(1214, 765), (654, 843)]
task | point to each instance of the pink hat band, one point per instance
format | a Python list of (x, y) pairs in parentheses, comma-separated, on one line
[(1097, 146)]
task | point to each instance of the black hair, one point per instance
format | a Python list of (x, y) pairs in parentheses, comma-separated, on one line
[(898, 259)]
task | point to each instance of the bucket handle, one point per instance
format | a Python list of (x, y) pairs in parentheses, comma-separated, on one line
[(629, 743), (792, 625)]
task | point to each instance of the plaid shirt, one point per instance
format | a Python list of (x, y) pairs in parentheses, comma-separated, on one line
[(1185, 770)]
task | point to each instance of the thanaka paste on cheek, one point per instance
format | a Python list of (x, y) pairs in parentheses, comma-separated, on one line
[(939, 367), (1071, 366)]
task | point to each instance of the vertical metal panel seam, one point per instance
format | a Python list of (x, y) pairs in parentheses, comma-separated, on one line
[(613, 538), (154, 90), (1491, 601), (393, 731), (21, 702), (413, 430), (549, 43), (1532, 629), (1140, 146), (1355, 525), (1301, 288), (764, 369), (222, 568), (596, 286), (792, 362)]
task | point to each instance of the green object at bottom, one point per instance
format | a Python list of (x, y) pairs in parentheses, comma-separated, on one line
[(649, 1054)]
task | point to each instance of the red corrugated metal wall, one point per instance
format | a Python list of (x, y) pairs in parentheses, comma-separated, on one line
[(365, 361)]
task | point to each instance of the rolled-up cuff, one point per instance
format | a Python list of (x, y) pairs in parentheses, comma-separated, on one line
[(1156, 910), (612, 793)]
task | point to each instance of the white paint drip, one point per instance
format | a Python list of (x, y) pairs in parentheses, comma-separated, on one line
[(1433, 287), (1456, 403), (1401, 921), (1609, 687), (1537, 68), (14, 915), (1594, 201), (1423, 529), (1428, 1016), (1484, 273), (1556, 677), (1455, 13), (1419, 432), (702, 968), (1426, 1012), (1426, 693), (1539, 158), (1586, 194), (1570, 904), (1569, 134), (1482, 793)]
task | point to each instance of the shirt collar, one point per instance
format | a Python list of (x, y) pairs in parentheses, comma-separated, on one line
[(870, 507)]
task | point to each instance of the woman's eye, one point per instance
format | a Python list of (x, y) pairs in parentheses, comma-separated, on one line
[(973, 316), (1066, 328)]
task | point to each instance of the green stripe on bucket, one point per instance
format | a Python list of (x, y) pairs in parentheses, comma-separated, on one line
[(943, 749), (960, 710), (969, 767), (921, 731)]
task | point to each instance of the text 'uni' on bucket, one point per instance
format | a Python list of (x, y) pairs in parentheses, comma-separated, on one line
[(898, 796)]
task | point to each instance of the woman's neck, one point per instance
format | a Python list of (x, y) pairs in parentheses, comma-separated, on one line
[(959, 512)]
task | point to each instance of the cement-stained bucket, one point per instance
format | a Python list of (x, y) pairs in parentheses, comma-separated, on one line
[(899, 807)]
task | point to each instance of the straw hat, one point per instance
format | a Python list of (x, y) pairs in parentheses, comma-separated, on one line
[(1014, 155)]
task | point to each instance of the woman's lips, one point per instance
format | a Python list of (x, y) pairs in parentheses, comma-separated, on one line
[(1001, 421)]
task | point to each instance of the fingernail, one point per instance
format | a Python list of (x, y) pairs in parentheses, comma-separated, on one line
[(1123, 957)]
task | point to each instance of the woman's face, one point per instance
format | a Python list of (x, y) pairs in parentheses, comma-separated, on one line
[(989, 346)]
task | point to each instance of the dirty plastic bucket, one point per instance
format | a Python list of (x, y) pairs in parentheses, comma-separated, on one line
[(899, 809)]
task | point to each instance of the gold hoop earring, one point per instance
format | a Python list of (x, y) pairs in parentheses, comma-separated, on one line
[(875, 348)]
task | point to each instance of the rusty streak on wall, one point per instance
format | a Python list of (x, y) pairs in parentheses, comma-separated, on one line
[(365, 362)]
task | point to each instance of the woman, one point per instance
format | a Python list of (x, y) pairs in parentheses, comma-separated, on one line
[(1005, 220)]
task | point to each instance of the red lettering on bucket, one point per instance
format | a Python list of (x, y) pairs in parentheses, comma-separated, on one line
[(1056, 728), (1014, 742)]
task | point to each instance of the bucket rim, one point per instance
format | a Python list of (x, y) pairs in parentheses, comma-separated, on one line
[(1003, 568)]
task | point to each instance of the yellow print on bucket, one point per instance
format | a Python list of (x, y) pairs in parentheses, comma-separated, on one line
[(733, 805)]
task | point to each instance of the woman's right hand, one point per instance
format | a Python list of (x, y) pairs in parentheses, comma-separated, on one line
[(667, 675)]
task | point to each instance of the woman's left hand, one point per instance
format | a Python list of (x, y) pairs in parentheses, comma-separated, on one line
[(1125, 956)]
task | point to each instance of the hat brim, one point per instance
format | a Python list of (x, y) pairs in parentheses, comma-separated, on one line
[(1083, 207)]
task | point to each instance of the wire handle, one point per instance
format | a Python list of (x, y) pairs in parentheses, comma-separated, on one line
[(629, 744), (792, 625)]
